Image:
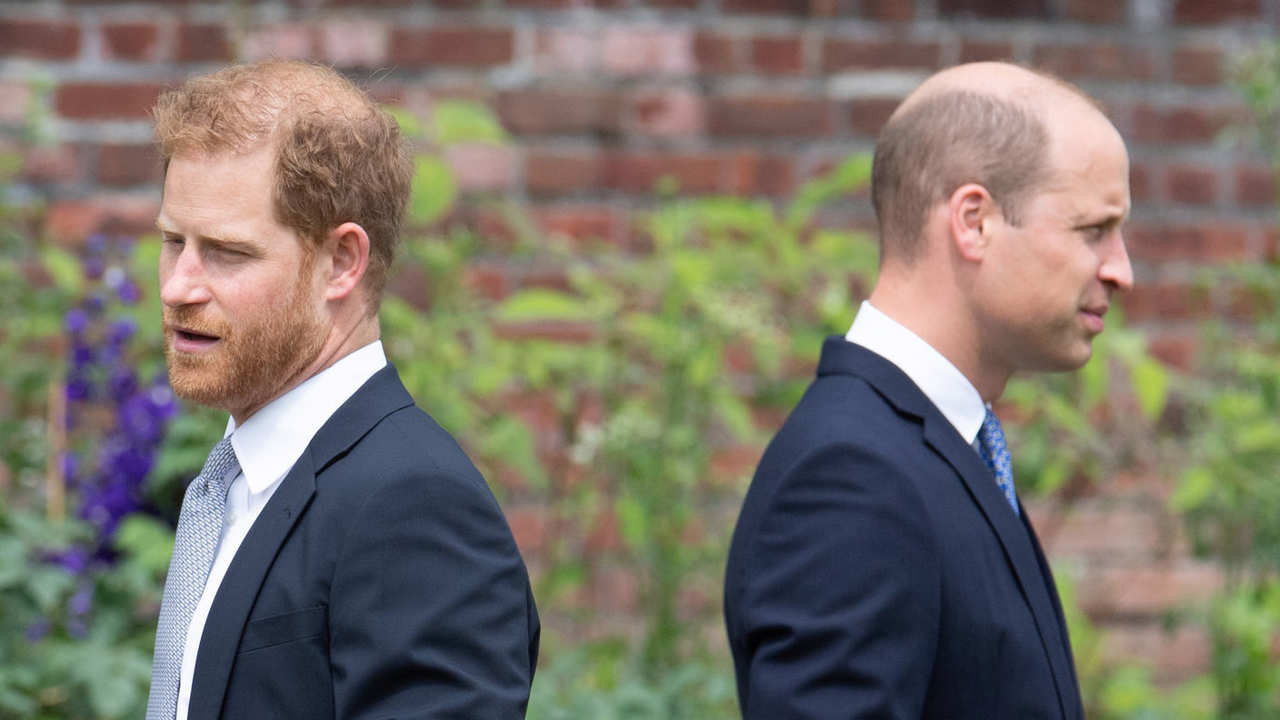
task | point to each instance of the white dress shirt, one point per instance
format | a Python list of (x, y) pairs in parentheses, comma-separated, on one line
[(267, 445), (939, 380)]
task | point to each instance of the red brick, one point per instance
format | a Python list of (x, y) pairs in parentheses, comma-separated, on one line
[(529, 526), (1164, 301), (773, 175), (1148, 590), (1001, 9), (775, 116), (131, 41), (892, 10), (770, 7), (1197, 65), (1107, 61), (543, 112), (1216, 243), (481, 166), (867, 116), (1178, 124), (559, 331), (489, 279), (51, 163), (128, 164), (552, 172), (349, 42), (93, 101), (1141, 184), (1255, 186), (639, 172), (40, 39), (1191, 185), (730, 466), (575, 50), (603, 537), (1176, 348), (1106, 530), (1209, 12), (777, 55), (666, 113), (203, 43), (630, 50), (1096, 11), (1174, 654), (583, 224), (715, 52), (69, 222), (467, 47), (840, 54), (279, 40), (984, 50)]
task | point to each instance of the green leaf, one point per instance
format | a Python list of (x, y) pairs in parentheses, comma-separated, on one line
[(64, 268), (410, 126), (459, 121), (434, 190), (147, 540), (1151, 383), (1196, 487), (541, 304), (633, 522), (47, 586)]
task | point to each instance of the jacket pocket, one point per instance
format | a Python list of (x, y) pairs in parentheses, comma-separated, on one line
[(283, 628)]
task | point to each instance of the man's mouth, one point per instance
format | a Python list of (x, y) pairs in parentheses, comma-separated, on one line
[(189, 340)]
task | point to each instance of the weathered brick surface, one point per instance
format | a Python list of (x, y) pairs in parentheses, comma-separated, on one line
[(606, 99)]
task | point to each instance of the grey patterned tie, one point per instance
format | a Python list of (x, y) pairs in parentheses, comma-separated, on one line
[(199, 527)]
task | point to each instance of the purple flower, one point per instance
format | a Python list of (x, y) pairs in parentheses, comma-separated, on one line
[(123, 383), (94, 305), (93, 267), (76, 321), (70, 466), (81, 357), (82, 602), (37, 631), (128, 292), (73, 560), (120, 331), (78, 389), (96, 244)]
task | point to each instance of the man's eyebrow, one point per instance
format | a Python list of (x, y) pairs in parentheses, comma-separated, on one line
[(231, 242)]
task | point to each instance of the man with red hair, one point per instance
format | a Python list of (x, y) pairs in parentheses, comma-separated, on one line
[(339, 556)]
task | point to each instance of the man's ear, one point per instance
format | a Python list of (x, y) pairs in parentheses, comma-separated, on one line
[(972, 214), (348, 245)]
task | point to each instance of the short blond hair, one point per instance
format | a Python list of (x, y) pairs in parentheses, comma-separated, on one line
[(339, 156)]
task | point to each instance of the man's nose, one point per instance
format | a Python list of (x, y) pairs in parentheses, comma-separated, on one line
[(182, 279)]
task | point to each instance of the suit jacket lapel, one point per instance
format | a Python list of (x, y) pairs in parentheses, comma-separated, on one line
[(381, 395), (838, 355)]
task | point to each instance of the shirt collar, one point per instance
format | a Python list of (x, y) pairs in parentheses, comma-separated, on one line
[(939, 380), (273, 439)]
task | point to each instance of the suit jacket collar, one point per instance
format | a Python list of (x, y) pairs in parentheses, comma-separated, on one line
[(840, 357), (380, 396)]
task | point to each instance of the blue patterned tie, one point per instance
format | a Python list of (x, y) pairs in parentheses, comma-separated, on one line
[(199, 529), (995, 452)]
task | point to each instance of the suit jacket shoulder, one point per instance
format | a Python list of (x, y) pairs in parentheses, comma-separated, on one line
[(380, 580)]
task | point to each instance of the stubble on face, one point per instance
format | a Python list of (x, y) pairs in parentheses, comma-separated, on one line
[(256, 358)]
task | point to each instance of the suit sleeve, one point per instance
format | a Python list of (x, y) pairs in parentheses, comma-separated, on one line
[(430, 611), (841, 594)]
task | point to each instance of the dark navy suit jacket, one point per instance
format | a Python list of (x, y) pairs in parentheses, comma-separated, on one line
[(380, 580), (877, 571)]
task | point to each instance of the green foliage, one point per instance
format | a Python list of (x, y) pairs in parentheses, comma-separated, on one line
[(56, 662)]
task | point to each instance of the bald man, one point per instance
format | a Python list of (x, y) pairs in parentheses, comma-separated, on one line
[(882, 565)]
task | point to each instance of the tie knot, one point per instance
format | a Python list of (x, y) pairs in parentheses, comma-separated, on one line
[(995, 451), (218, 465)]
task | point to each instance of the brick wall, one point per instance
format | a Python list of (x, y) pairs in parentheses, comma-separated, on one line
[(604, 97)]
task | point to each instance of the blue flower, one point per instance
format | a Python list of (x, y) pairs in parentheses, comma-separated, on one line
[(76, 321)]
